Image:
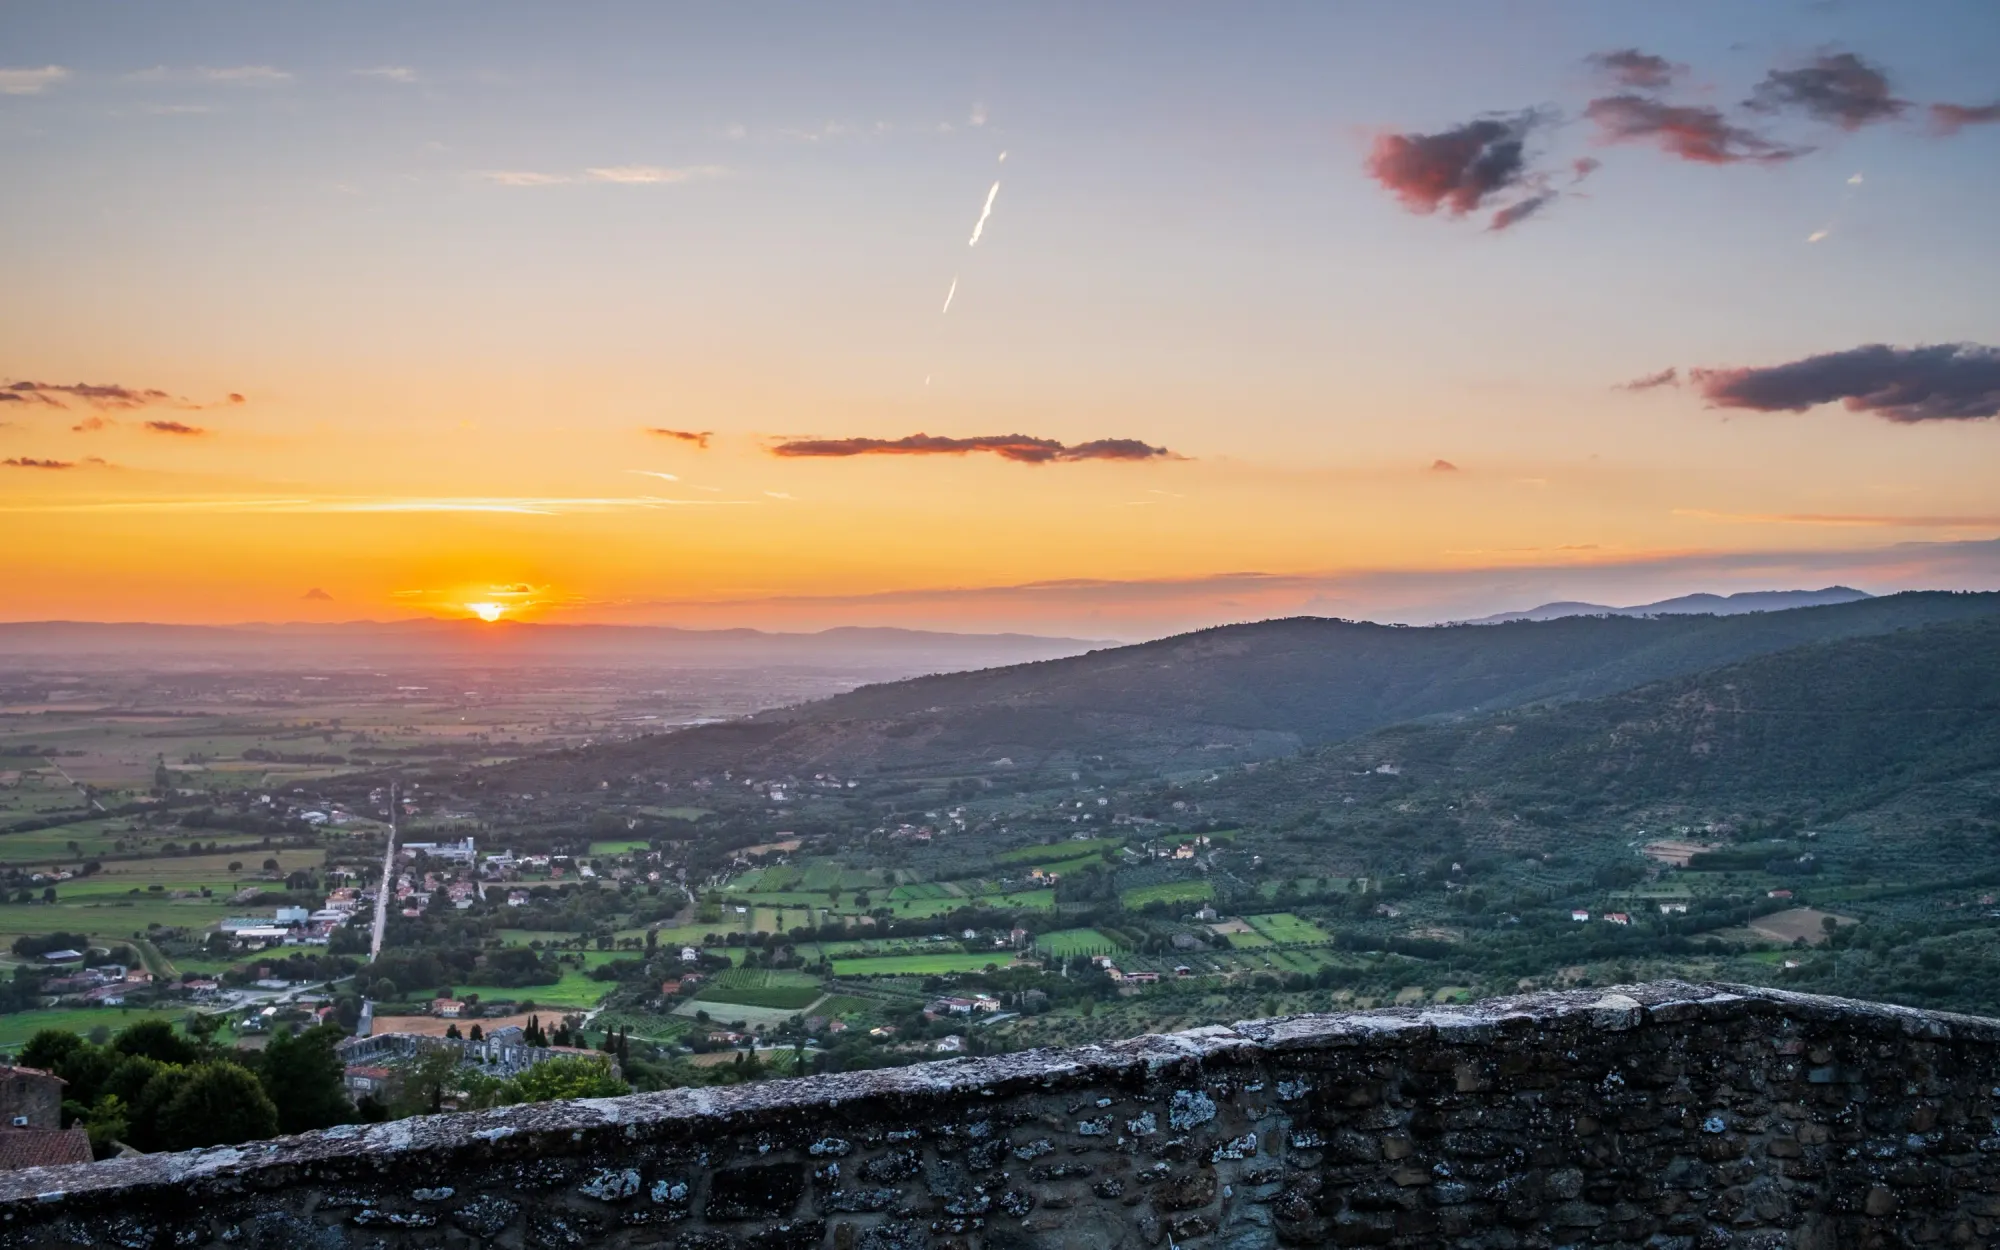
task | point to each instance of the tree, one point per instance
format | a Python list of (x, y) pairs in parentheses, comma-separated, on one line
[(220, 1104), (477, 1033), (106, 1124), (155, 1039), (270, 865), (306, 1080), (570, 1076)]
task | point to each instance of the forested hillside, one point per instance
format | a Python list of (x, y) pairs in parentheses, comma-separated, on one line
[(1238, 692)]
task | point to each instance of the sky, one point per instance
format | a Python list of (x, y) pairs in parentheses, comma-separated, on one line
[(1110, 320)]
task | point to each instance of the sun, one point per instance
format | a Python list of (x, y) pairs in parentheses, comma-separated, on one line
[(486, 611)]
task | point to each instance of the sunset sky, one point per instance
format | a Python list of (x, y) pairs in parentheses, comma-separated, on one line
[(632, 312)]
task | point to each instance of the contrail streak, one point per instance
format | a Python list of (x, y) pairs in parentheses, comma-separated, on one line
[(978, 227), (948, 294)]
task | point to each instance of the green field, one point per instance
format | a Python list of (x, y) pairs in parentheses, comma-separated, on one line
[(1057, 850), (783, 997), (619, 846), (1066, 942), (574, 990), (1284, 927), (17, 1027), (918, 965), (1169, 892)]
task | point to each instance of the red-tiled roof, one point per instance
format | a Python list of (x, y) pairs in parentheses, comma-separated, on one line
[(42, 1147)]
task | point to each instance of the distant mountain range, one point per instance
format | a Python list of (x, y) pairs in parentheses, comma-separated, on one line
[(1689, 605), (881, 652), (1693, 605), (1241, 692)]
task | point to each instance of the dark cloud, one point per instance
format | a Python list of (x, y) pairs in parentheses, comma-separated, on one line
[(1697, 134), (175, 427), (1456, 170), (1653, 381), (27, 462), (1629, 67), (318, 595), (1937, 382), (1017, 447), (1520, 211), (698, 437), (95, 394), (1949, 119), (1839, 87)]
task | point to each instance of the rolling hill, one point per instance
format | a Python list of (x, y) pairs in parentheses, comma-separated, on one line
[(1238, 692)]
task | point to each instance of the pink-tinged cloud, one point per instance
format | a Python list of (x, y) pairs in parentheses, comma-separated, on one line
[(1949, 119), (1443, 466), (1653, 381), (179, 428), (1698, 134), (1839, 88), (1020, 448), (698, 437), (1629, 67), (1456, 170), (1583, 167), (91, 425), (1935, 382)]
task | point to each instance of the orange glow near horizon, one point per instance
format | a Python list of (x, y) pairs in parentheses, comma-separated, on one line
[(487, 611)]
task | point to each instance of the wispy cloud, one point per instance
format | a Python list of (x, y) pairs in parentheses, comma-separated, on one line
[(515, 505), (1669, 376), (698, 437), (175, 110), (178, 428), (1935, 382), (1699, 134), (29, 462), (523, 178), (31, 81), (251, 75), (1019, 448), (652, 174), (1971, 521), (664, 477), (104, 396), (1949, 119), (389, 73)]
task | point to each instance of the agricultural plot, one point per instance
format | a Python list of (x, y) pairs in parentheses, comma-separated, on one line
[(1283, 927), (1058, 850), (575, 990), (1166, 892), (783, 997), (620, 846), (1064, 943), (17, 1027), (919, 965)]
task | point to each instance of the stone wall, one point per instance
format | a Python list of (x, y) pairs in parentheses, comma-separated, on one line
[(1666, 1116)]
